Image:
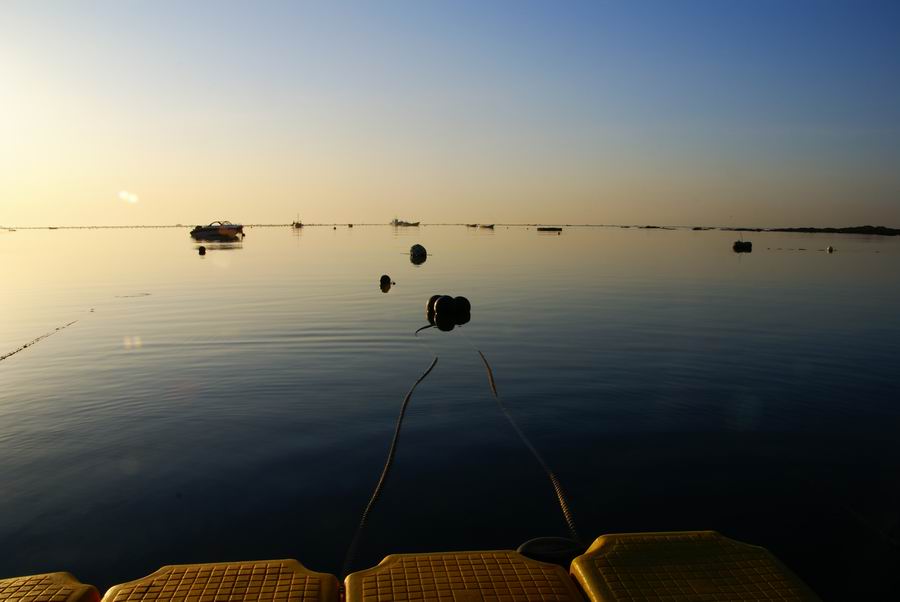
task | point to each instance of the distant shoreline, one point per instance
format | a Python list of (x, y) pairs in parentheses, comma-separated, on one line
[(861, 230), (866, 230)]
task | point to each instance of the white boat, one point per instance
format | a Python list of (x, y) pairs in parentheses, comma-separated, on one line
[(219, 230)]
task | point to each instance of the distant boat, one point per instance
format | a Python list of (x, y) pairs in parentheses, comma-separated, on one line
[(53, 228), (488, 226), (471, 225), (219, 230), (400, 222), (549, 229), (297, 224)]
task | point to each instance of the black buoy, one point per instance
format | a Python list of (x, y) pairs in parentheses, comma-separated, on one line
[(417, 254), (742, 246), (447, 312), (429, 307), (444, 322), (202, 250), (385, 283), (445, 304)]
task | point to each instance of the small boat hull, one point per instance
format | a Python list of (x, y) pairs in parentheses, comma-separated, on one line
[(218, 231)]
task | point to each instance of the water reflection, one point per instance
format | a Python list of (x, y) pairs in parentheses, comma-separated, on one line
[(637, 355), (219, 246)]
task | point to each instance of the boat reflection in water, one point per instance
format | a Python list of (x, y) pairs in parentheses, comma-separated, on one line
[(220, 245)]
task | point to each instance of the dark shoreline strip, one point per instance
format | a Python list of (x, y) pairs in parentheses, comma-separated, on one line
[(40, 338), (864, 230)]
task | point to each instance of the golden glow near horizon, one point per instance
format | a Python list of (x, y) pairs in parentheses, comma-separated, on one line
[(133, 115)]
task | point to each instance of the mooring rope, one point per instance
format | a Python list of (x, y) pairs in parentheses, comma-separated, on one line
[(40, 338), (557, 487), (392, 451)]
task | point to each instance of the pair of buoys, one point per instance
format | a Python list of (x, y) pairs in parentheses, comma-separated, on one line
[(202, 250), (448, 312)]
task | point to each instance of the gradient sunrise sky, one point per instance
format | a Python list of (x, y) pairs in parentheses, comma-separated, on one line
[(715, 113)]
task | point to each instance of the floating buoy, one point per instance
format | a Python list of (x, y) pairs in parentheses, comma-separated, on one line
[(385, 283), (742, 246), (417, 254), (446, 312), (202, 250), (429, 307), (445, 304), (830, 249)]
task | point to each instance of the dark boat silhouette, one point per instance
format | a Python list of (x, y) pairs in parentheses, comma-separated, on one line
[(218, 230)]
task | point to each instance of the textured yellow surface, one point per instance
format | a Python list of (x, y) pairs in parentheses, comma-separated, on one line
[(701, 566), (50, 587), (496, 576), (270, 580)]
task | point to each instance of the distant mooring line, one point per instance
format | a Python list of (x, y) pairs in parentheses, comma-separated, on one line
[(40, 338)]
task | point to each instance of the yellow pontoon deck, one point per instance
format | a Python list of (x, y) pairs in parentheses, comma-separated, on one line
[(672, 567)]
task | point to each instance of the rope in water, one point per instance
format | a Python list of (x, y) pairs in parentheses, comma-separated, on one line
[(557, 487), (40, 338), (392, 451)]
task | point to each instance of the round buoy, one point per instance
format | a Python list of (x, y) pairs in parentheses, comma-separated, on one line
[(445, 304), (444, 322), (417, 251), (385, 279), (830, 249), (202, 250), (462, 305), (429, 307)]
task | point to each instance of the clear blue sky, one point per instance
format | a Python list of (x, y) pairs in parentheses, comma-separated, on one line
[(769, 113)]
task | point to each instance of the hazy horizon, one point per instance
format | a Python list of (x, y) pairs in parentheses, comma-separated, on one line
[(770, 114)]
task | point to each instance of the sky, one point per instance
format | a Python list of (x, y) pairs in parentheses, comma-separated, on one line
[(759, 113)]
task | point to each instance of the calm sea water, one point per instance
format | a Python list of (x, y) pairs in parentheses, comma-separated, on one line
[(239, 405)]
